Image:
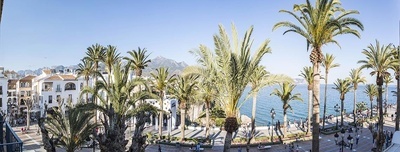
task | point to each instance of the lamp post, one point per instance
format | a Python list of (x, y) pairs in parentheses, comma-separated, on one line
[(272, 116), (169, 123), (342, 142), (336, 107)]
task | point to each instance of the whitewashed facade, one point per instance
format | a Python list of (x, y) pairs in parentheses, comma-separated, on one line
[(3, 90)]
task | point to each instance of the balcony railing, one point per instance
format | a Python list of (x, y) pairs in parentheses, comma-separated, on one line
[(58, 90), (12, 141), (72, 88)]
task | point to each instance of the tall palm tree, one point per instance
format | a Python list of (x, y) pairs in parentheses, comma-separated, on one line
[(184, 90), (261, 78), (396, 69), (319, 25), (343, 86), (379, 59), (387, 79), (307, 74), (356, 78), (95, 54), (207, 90), (328, 64), (234, 66), (139, 60), (372, 91), (285, 94), (161, 80), (121, 97), (85, 70), (73, 129), (111, 57)]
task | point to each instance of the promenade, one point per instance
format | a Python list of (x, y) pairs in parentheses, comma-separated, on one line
[(32, 141)]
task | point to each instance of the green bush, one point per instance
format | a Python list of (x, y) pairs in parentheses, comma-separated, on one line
[(219, 122)]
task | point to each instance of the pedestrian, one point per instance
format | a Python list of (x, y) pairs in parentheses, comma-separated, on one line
[(159, 148), (357, 138), (240, 149), (392, 117)]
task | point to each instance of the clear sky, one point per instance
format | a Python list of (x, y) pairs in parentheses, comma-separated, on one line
[(44, 33)]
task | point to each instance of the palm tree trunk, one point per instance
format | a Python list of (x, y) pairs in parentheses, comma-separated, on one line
[(326, 88), (284, 122), (309, 111), (380, 139), (207, 119), (370, 116), (341, 112), (161, 120), (316, 97), (398, 105), (94, 83), (253, 117), (28, 117), (183, 113), (87, 94), (387, 97), (355, 107), (228, 142)]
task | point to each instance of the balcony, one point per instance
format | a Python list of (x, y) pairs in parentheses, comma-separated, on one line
[(58, 90), (47, 89)]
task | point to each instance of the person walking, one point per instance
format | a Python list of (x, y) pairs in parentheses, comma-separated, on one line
[(357, 138)]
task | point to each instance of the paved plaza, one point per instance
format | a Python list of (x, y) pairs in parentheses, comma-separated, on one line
[(32, 141)]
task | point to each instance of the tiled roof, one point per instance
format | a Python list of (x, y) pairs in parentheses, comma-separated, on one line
[(46, 71), (54, 77), (68, 77), (28, 78)]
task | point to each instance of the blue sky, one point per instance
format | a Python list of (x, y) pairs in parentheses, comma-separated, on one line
[(36, 34)]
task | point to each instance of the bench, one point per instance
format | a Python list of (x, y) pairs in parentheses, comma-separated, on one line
[(264, 147), (194, 149)]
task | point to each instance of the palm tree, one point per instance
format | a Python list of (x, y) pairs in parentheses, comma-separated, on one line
[(143, 112), (319, 25), (396, 69), (307, 74), (372, 91), (356, 78), (285, 93), (343, 86), (139, 60), (207, 90), (184, 90), (261, 78), (111, 57), (387, 79), (121, 97), (161, 79), (72, 129), (95, 54), (85, 70), (379, 59), (234, 66), (328, 64)]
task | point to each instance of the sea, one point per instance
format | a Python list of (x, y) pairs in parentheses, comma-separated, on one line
[(265, 102)]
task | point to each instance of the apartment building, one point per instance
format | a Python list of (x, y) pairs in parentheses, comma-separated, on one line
[(3, 90)]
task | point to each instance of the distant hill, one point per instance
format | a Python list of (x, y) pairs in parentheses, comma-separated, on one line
[(174, 67)]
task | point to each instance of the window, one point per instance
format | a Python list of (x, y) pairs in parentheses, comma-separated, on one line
[(22, 93), (41, 99), (81, 86), (70, 86), (50, 99), (70, 97), (28, 93), (1, 102), (58, 98), (1, 90), (58, 88)]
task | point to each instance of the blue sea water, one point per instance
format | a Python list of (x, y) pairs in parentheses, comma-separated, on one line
[(265, 102)]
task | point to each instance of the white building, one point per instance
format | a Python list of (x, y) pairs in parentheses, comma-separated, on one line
[(52, 88), (170, 106), (3, 90)]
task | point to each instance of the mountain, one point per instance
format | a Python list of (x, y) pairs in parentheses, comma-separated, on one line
[(174, 67)]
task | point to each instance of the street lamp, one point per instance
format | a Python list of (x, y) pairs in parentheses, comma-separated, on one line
[(272, 116), (170, 123), (342, 143), (337, 107)]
